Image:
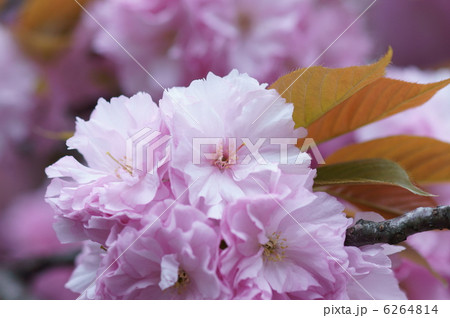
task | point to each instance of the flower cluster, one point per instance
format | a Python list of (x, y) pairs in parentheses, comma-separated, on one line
[(221, 210)]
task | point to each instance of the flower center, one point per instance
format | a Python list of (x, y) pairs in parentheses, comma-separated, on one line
[(224, 159), (274, 248), (244, 22), (222, 162), (182, 281)]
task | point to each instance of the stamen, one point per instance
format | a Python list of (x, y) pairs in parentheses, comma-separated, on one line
[(182, 281), (274, 248), (243, 144), (224, 161), (127, 168)]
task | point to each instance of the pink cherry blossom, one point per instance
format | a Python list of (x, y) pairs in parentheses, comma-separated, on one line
[(17, 88), (18, 79), (323, 25), (91, 75), (92, 199), (418, 283), (299, 255), (26, 229), (441, 191), (49, 284), (239, 113), (216, 228), (251, 38), (178, 41), (174, 256), (392, 23), (82, 280), (269, 252), (24, 109), (153, 32), (371, 268), (433, 246)]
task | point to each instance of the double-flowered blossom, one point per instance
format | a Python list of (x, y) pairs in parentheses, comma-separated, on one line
[(419, 282), (293, 249), (153, 32), (233, 128), (173, 256), (228, 212), (265, 253), (178, 41), (107, 193), (273, 249), (371, 268)]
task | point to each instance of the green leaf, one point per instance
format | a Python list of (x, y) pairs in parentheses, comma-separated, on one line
[(367, 171)]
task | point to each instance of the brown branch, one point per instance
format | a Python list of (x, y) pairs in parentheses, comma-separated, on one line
[(397, 230)]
